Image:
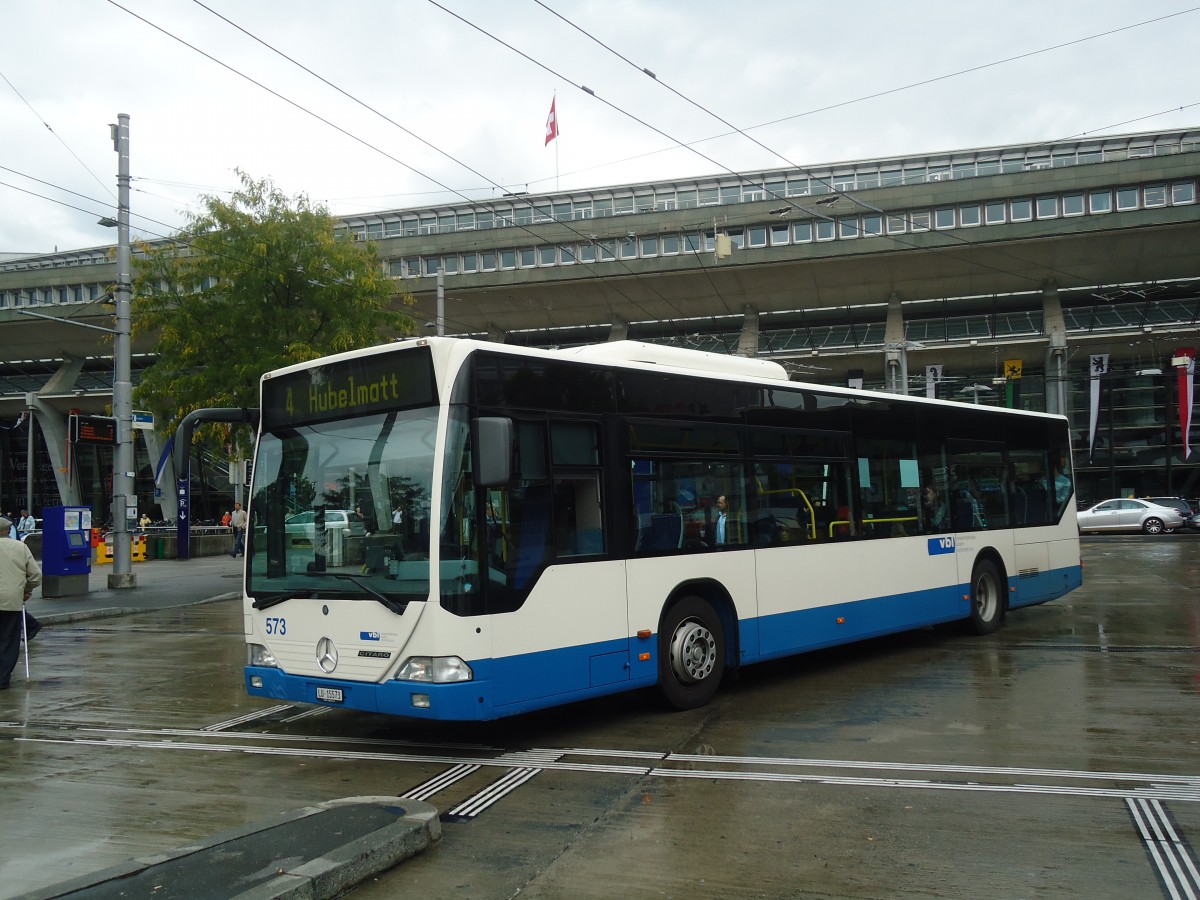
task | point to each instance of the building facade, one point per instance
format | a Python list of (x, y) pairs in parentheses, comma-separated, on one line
[(1029, 260)]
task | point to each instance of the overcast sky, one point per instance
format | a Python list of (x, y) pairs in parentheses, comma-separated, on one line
[(70, 66)]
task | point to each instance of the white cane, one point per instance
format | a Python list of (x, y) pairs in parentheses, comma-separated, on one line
[(25, 638)]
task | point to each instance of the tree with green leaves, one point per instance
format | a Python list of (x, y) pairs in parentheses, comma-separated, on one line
[(253, 283)]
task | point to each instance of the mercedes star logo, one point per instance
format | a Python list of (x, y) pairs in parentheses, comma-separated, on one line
[(327, 656)]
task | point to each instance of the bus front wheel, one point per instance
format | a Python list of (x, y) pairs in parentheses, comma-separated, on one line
[(691, 653), (987, 598)]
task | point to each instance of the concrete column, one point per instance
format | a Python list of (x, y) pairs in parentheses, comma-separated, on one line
[(1054, 326), (53, 425), (895, 348), (495, 333), (619, 330), (748, 339)]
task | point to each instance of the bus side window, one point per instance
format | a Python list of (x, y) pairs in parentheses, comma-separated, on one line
[(577, 523)]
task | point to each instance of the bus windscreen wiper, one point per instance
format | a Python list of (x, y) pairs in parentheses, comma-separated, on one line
[(397, 608), (266, 601)]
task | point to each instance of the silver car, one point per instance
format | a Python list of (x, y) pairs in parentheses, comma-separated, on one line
[(1127, 514)]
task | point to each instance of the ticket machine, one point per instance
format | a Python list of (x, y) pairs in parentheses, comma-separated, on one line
[(66, 550)]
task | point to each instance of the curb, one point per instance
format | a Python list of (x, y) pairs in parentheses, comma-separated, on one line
[(109, 612), (413, 827)]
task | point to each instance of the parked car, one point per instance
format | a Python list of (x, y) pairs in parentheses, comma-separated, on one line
[(302, 525), (1127, 514), (1185, 509)]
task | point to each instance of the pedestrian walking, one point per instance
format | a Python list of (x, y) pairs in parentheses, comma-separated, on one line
[(19, 575), (239, 521)]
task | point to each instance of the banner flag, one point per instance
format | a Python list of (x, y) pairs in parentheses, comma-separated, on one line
[(1099, 366), (551, 123), (162, 461), (933, 375), (1186, 376)]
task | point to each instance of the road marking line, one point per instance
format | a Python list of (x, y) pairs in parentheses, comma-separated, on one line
[(1173, 859), (490, 795), (440, 782), (249, 717)]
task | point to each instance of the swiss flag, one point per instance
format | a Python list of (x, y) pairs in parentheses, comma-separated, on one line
[(551, 124)]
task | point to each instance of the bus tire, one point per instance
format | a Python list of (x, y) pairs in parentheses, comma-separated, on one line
[(987, 598), (691, 653)]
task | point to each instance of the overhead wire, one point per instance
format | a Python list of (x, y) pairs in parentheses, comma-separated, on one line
[(57, 136), (601, 276), (300, 107), (949, 235)]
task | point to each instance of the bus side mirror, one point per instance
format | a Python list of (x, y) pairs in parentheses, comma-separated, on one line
[(494, 451)]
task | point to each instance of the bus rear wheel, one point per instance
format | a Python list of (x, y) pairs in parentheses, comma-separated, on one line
[(987, 598), (691, 653)]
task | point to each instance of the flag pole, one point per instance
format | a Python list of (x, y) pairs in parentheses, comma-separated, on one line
[(553, 103)]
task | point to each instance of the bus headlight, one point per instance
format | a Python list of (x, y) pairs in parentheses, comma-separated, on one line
[(261, 656), (434, 670)]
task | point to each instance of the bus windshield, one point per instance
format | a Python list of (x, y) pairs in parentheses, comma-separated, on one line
[(341, 508)]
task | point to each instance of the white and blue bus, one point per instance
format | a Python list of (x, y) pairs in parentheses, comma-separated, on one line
[(458, 530)]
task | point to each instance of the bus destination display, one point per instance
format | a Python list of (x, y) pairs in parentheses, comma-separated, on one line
[(357, 387)]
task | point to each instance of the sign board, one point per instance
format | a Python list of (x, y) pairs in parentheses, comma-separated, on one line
[(93, 429), (143, 420)]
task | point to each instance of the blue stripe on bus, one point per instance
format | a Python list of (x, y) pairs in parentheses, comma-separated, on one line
[(582, 672)]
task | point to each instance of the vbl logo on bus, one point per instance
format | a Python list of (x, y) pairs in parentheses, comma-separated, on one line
[(941, 545)]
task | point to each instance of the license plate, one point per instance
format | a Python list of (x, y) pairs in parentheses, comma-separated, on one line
[(330, 695)]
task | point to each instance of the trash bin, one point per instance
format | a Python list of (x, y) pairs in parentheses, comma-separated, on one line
[(160, 548)]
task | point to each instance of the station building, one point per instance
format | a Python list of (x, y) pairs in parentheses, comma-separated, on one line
[(1034, 275)]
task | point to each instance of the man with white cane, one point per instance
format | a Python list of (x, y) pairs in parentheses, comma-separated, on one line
[(19, 575)]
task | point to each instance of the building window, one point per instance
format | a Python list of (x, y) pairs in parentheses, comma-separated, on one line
[(622, 205), (602, 207), (508, 259), (1047, 207), (528, 258), (470, 262), (1127, 198), (737, 237), (587, 252), (1155, 195), (896, 224), (1100, 201), (797, 187), (824, 230), (1183, 192), (547, 256), (605, 251), (489, 260), (431, 264), (944, 217), (802, 232), (650, 245), (582, 209), (872, 226), (731, 194), (919, 221), (779, 234), (1072, 205), (685, 199), (628, 248), (968, 216), (566, 254), (757, 235), (848, 227), (450, 265), (1022, 210), (670, 244), (708, 196)]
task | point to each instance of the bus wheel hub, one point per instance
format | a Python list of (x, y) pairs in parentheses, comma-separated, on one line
[(693, 652)]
